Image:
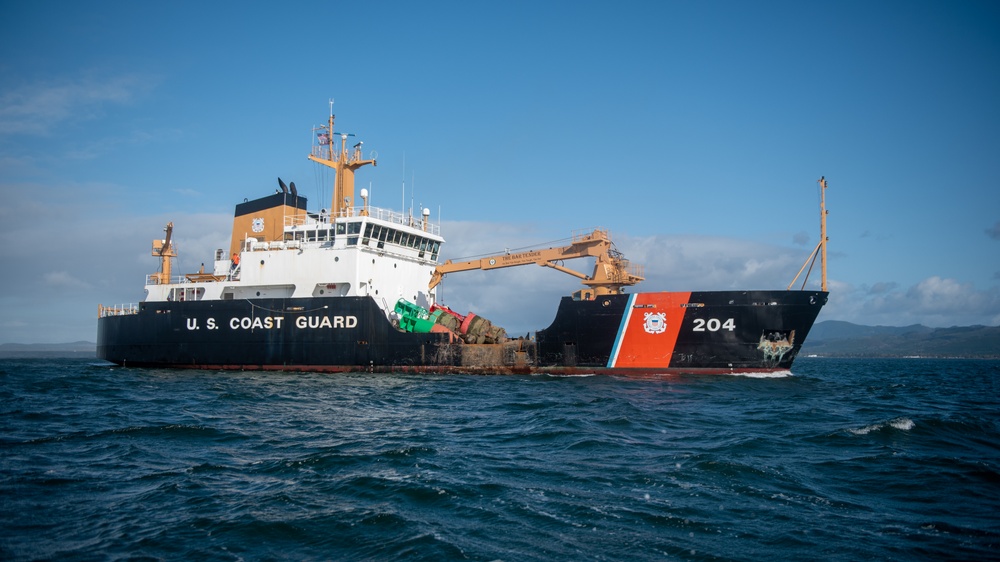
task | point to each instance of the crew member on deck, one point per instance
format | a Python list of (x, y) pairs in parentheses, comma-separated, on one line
[(236, 262)]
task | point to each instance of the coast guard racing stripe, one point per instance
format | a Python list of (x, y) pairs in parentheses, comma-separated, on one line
[(649, 330)]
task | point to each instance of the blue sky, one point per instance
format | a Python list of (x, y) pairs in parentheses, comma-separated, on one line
[(693, 131)]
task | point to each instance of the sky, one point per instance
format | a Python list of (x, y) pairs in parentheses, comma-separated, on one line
[(695, 132)]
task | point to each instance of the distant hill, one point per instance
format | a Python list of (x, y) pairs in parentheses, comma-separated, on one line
[(843, 339), (74, 349)]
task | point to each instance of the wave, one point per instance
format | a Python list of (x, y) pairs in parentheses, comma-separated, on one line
[(901, 423), (763, 374)]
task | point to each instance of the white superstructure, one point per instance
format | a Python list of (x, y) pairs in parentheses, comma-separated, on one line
[(375, 252), (281, 250)]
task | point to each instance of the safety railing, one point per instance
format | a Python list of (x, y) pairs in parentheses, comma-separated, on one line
[(117, 310), (154, 278), (387, 215)]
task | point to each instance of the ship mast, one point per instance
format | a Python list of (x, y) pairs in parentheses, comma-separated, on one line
[(822, 227), (820, 249), (343, 165)]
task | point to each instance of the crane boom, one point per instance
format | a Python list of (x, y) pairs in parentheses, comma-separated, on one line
[(164, 250), (611, 270)]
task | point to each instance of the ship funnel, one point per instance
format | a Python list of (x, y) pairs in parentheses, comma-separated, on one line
[(291, 186), (284, 188)]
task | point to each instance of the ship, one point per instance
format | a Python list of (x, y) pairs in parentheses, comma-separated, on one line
[(354, 288)]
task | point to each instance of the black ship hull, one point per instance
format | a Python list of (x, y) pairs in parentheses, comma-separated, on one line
[(642, 333)]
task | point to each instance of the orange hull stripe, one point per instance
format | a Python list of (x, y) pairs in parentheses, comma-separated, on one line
[(649, 330)]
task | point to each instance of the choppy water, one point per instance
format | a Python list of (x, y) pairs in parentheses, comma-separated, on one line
[(844, 460)]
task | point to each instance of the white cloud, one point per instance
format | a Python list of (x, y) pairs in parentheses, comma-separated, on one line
[(882, 288), (936, 295), (43, 108), (63, 280), (934, 301), (712, 263)]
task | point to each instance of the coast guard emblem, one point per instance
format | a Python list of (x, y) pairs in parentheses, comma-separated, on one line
[(656, 322)]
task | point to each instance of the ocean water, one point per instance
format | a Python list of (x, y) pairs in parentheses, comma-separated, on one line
[(843, 459)]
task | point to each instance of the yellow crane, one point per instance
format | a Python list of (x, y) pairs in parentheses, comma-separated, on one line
[(611, 270), (164, 250)]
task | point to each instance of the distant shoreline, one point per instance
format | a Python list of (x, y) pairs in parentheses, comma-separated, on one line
[(49, 350), (48, 355)]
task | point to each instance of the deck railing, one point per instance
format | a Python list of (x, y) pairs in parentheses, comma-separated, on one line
[(117, 310), (154, 279), (387, 215)]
